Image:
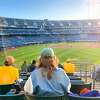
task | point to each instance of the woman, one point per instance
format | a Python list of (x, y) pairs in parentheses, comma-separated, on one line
[(48, 79)]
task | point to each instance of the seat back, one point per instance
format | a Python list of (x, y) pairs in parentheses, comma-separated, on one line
[(77, 82), (13, 97), (33, 97), (76, 88), (74, 78), (83, 98), (5, 88), (24, 76)]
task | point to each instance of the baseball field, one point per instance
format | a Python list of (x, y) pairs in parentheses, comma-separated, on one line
[(82, 51)]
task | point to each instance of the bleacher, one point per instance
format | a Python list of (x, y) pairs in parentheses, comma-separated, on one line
[(18, 32)]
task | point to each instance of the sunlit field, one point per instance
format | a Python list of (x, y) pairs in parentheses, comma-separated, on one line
[(76, 50)]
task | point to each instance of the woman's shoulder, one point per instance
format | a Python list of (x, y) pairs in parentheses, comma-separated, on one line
[(62, 73), (59, 70), (36, 71)]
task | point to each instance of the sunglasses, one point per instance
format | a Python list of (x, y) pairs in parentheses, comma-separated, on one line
[(48, 57)]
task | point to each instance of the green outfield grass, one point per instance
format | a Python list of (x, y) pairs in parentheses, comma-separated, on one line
[(80, 51)]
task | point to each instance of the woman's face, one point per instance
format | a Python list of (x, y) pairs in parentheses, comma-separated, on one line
[(48, 61)]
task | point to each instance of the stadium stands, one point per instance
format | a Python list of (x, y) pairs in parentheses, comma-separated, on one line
[(18, 32)]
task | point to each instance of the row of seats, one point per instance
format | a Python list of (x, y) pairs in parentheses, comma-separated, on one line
[(31, 97), (50, 30), (21, 96), (15, 41), (14, 22), (75, 87)]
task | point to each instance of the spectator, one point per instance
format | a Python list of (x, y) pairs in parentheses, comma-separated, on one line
[(24, 66), (60, 66), (69, 67), (48, 79), (8, 73), (32, 66)]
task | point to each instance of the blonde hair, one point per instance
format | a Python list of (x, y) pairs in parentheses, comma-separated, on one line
[(51, 67)]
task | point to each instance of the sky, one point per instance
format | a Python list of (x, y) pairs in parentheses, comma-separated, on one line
[(50, 9)]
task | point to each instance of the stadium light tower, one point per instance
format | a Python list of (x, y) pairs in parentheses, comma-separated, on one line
[(2, 38), (2, 43)]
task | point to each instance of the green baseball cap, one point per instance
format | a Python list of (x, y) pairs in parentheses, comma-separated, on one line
[(47, 52)]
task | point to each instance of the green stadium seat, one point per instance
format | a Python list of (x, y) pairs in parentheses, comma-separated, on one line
[(5, 88), (74, 78), (77, 82), (82, 98), (76, 88), (13, 97), (33, 97)]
